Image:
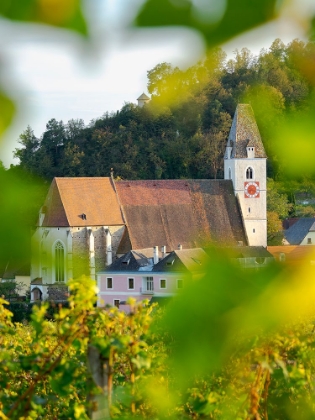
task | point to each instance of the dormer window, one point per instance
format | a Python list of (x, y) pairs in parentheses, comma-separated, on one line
[(249, 173)]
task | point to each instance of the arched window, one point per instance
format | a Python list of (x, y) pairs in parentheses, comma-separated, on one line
[(59, 262), (230, 175), (249, 173)]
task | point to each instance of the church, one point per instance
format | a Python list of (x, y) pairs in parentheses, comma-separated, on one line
[(86, 223)]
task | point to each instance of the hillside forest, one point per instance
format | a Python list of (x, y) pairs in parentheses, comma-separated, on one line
[(182, 131)]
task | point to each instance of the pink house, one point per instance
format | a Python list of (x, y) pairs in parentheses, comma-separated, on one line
[(147, 274)]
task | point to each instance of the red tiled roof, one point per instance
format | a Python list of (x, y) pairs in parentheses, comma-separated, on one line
[(294, 253), (189, 212), (69, 199), (163, 212)]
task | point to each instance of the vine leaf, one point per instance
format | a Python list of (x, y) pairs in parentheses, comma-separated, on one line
[(7, 112), (60, 13), (238, 16)]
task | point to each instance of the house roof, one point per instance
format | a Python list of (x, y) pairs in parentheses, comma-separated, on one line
[(82, 202), (248, 252), (37, 281), (187, 212), (131, 261), (294, 253), (244, 132), (297, 232), (185, 260)]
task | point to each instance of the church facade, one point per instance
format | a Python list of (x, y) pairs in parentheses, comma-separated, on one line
[(86, 223)]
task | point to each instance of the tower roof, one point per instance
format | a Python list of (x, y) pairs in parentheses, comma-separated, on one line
[(244, 132), (143, 97)]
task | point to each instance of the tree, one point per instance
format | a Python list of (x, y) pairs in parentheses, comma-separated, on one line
[(9, 289), (30, 144), (278, 208)]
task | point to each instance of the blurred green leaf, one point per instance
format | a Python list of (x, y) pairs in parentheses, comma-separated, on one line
[(7, 112), (65, 14), (215, 26), (212, 314), (294, 142), (312, 29)]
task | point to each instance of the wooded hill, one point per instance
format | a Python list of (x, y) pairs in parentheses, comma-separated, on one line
[(182, 132)]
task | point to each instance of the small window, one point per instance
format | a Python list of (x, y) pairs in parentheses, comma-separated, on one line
[(162, 284), (309, 240), (253, 230), (230, 174), (109, 283), (149, 285), (249, 173), (131, 283), (116, 303), (248, 209), (180, 284)]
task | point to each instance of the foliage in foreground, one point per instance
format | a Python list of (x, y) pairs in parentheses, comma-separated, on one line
[(232, 345)]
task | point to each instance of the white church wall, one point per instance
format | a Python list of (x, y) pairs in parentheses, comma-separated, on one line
[(76, 260)]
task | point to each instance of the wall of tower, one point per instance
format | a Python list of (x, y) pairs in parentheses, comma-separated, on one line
[(254, 209)]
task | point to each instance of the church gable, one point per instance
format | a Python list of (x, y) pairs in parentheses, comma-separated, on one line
[(53, 208), (82, 202)]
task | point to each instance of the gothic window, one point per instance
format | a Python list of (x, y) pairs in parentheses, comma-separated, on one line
[(249, 173), (59, 262)]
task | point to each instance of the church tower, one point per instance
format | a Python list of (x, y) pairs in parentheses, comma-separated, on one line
[(245, 164)]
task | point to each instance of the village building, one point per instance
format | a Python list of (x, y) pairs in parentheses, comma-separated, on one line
[(302, 232), (144, 274), (86, 223), (142, 100), (156, 275)]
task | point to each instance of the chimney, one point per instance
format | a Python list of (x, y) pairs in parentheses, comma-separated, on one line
[(180, 247), (163, 250), (109, 253), (155, 254)]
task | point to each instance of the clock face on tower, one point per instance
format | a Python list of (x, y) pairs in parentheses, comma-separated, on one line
[(251, 189)]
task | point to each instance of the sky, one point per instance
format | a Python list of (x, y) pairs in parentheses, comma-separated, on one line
[(54, 74)]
